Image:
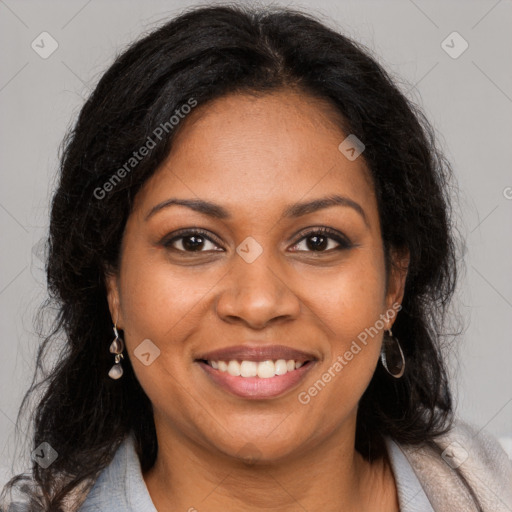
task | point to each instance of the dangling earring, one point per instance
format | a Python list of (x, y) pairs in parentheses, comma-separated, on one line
[(116, 347), (386, 352)]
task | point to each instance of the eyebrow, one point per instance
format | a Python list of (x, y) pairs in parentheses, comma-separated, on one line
[(292, 211)]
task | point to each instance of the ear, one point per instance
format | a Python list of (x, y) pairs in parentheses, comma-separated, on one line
[(399, 266), (113, 298)]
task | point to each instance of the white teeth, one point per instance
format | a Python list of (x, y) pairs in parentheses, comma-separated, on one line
[(262, 369), (248, 369), (234, 368), (266, 369), (280, 367)]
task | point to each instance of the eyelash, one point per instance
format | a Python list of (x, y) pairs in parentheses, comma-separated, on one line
[(343, 242)]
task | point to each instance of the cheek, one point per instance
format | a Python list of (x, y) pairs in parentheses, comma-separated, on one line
[(159, 300), (164, 306), (351, 298), (360, 303), (350, 304)]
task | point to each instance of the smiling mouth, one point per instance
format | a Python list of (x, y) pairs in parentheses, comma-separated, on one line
[(260, 369), (256, 380)]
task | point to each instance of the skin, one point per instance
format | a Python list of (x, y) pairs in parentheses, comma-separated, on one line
[(255, 156)]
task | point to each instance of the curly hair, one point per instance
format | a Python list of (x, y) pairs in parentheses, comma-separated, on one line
[(205, 53)]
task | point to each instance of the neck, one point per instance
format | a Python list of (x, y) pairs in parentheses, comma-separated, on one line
[(331, 476)]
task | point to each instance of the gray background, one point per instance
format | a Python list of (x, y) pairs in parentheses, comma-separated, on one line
[(468, 99)]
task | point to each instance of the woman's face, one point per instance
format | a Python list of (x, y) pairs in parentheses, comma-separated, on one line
[(261, 275)]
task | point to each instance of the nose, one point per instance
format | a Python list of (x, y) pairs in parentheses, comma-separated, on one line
[(257, 293)]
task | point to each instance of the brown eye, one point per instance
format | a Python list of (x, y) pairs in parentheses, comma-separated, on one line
[(323, 240), (191, 241)]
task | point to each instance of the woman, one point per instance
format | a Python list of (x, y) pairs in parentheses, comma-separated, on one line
[(250, 251)]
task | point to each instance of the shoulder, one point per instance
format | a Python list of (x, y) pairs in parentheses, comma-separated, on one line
[(466, 467), (27, 496), (120, 487)]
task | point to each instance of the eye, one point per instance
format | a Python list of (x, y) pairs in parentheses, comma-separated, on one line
[(320, 240), (191, 241)]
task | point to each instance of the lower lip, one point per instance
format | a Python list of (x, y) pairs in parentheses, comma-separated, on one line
[(256, 388)]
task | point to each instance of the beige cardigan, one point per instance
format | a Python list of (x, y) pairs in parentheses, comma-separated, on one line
[(463, 465)]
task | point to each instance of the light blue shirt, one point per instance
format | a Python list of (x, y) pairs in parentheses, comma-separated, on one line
[(121, 487)]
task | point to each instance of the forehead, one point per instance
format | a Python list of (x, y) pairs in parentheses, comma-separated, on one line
[(259, 151)]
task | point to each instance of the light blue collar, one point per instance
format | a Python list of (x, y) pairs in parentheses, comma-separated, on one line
[(120, 487)]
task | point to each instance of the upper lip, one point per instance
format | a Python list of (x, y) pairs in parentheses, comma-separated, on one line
[(257, 353)]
